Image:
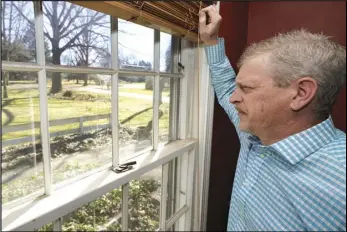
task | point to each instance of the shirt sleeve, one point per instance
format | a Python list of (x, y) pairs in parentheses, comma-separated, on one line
[(223, 78)]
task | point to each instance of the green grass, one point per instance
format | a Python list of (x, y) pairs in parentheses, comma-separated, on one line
[(165, 93), (21, 82), (25, 109)]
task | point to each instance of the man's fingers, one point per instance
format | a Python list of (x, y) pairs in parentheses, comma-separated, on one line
[(212, 13), (207, 9), (208, 30), (202, 22), (214, 8), (202, 17)]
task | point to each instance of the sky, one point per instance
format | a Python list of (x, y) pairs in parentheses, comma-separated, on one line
[(140, 41)]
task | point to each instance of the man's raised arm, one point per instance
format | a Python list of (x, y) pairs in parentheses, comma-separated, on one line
[(223, 75)]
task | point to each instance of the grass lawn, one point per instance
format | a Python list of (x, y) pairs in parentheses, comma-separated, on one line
[(23, 104), (165, 93)]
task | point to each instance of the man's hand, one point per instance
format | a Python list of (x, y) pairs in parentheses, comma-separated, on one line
[(209, 29)]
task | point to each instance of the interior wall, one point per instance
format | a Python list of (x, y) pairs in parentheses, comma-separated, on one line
[(244, 23), (265, 19)]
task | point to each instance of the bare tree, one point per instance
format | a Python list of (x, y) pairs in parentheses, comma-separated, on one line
[(5, 53), (64, 22), (89, 44), (14, 45)]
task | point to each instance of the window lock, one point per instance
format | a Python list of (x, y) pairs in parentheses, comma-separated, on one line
[(124, 167), (180, 66)]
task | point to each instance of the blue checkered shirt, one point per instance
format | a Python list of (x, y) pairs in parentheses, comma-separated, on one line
[(296, 184)]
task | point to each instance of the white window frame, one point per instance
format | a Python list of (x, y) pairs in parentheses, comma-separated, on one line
[(192, 149)]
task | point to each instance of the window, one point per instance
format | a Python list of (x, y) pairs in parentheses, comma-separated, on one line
[(166, 52), (79, 124), (135, 115), (144, 201), (93, 92), (22, 149), (132, 53), (75, 35), (102, 214)]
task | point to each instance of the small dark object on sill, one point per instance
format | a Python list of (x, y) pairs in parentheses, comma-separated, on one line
[(124, 167)]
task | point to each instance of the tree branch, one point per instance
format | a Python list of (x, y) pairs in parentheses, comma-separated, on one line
[(72, 20), (99, 34), (70, 31), (21, 13), (62, 12), (68, 44), (88, 46), (48, 11)]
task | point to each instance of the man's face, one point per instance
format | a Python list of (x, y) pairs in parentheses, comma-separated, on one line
[(260, 103)]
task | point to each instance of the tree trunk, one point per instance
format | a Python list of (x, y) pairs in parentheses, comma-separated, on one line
[(7, 42), (4, 80), (77, 79), (85, 80), (56, 77), (56, 52)]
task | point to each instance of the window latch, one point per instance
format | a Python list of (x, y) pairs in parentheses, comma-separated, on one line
[(180, 66), (124, 167)]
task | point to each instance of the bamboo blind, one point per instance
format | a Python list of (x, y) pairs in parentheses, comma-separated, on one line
[(180, 18)]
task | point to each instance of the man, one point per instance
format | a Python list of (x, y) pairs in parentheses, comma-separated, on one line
[(291, 171)]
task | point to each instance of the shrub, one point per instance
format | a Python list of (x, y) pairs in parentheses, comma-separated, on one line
[(67, 93)]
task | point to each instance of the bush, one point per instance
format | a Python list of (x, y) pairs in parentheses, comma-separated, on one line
[(67, 93)]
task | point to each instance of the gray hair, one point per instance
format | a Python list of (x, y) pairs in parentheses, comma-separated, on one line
[(300, 53)]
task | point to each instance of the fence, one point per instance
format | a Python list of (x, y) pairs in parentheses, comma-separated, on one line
[(59, 122)]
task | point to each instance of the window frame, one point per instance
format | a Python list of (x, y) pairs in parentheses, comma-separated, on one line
[(190, 103)]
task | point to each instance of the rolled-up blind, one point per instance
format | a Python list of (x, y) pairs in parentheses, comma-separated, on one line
[(180, 18)]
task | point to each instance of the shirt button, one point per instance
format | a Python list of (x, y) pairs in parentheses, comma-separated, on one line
[(262, 156)]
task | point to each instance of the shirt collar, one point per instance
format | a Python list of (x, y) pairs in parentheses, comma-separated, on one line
[(298, 146)]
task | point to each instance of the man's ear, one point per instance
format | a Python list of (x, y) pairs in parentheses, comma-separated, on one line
[(305, 91)]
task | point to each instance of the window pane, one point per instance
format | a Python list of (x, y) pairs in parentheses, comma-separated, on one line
[(165, 52), (135, 115), (75, 35), (171, 189), (135, 46), (22, 168), (79, 115), (144, 201), (164, 109), (102, 214), (18, 31)]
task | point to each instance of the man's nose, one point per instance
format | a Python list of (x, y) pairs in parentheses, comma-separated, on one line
[(235, 97)]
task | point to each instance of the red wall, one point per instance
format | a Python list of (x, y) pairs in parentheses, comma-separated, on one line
[(265, 19), (244, 23)]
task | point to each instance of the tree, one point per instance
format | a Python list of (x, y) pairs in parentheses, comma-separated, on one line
[(67, 23), (89, 43), (18, 42), (68, 26), (18, 38)]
